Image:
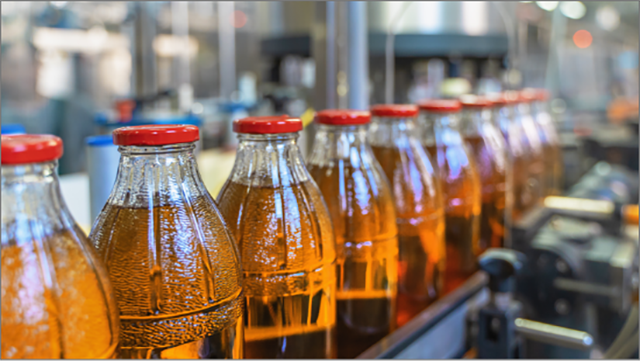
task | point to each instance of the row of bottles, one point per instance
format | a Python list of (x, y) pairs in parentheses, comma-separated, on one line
[(295, 259)]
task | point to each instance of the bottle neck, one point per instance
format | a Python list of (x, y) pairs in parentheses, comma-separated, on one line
[(32, 204), (540, 107), (269, 160), (156, 175), (335, 142), (386, 132), (441, 129), (504, 116), (473, 120), (523, 108)]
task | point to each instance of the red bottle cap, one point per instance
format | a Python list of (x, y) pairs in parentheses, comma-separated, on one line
[(543, 95), (30, 148), (511, 97), (394, 110), (441, 105), (528, 95), (475, 102), (155, 134), (267, 125), (343, 117)]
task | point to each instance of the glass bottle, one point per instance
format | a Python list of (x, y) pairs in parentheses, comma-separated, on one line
[(419, 207), (517, 155), (361, 207), (534, 151), (489, 148), (284, 234), (440, 134), (552, 150), (173, 264), (57, 300)]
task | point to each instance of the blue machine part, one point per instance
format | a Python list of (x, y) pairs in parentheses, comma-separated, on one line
[(8, 129), (99, 140)]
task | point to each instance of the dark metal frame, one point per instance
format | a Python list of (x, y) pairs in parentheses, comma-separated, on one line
[(399, 340), (405, 45)]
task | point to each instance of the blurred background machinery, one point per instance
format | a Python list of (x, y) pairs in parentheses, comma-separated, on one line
[(81, 69), (218, 61)]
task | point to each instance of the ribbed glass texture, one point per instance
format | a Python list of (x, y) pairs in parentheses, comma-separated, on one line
[(173, 263), (57, 300)]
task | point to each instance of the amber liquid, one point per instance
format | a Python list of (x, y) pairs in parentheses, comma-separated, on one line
[(493, 182), (66, 317), (523, 197), (420, 222), (286, 243), (536, 168), (367, 254), (173, 302), (553, 165), (535, 165), (461, 188)]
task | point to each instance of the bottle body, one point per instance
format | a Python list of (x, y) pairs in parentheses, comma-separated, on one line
[(361, 207), (460, 184), (419, 213), (173, 264), (284, 235), (488, 146), (534, 153), (57, 300), (551, 148), (521, 192)]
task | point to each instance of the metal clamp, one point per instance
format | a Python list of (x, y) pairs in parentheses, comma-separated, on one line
[(556, 335)]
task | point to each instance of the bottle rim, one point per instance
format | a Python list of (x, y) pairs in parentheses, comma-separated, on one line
[(475, 102), (267, 125), (440, 105), (535, 94), (30, 148), (343, 117), (394, 110), (543, 95), (156, 134)]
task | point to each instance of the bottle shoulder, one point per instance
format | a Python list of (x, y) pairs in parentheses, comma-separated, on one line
[(412, 176), (160, 256), (359, 197), (278, 228)]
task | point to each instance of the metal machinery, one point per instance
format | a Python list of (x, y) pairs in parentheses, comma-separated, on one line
[(570, 281), (567, 289)]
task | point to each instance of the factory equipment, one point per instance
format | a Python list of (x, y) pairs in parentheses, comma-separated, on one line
[(567, 289), (569, 285)]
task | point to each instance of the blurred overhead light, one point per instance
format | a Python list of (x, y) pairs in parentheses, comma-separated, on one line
[(171, 45), (547, 5), (573, 9), (474, 17), (582, 39), (59, 4), (608, 17), (95, 40)]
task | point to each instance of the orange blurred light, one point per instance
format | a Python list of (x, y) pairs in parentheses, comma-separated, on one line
[(239, 19), (582, 39)]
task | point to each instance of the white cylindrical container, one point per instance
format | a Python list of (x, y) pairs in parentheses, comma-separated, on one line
[(102, 165)]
